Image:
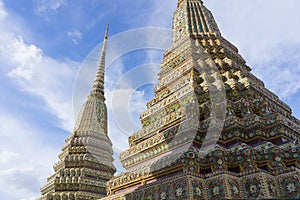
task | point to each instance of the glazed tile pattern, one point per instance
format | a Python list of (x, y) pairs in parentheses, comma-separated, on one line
[(257, 154)]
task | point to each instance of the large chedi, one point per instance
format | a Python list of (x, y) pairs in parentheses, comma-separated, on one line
[(213, 130), (86, 162)]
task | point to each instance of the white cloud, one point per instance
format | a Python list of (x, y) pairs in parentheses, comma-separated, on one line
[(7, 156), (37, 73), (19, 179), (124, 106), (23, 182), (76, 36), (138, 102), (45, 5), (163, 9), (24, 158), (25, 58), (282, 77), (3, 12), (42, 76)]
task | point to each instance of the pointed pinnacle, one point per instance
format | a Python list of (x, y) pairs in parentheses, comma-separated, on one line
[(98, 85), (106, 33)]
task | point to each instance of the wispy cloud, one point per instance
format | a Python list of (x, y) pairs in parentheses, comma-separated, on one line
[(280, 75), (18, 180), (3, 12), (76, 36), (46, 5), (39, 74), (7, 156), (24, 159)]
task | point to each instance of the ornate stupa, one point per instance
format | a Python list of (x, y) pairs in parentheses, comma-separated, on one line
[(212, 131), (85, 163)]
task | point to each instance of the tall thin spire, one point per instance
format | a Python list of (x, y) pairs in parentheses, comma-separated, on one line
[(98, 85), (86, 161)]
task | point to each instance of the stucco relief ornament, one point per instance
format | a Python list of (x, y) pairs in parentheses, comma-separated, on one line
[(216, 190), (198, 191), (291, 187), (235, 190), (178, 191), (163, 195), (272, 188), (253, 189), (220, 162)]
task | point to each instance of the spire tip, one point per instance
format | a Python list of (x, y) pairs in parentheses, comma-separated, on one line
[(107, 27), (98, 85)]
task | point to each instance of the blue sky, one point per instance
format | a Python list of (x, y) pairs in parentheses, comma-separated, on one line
[(45, 46)]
